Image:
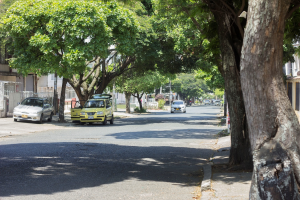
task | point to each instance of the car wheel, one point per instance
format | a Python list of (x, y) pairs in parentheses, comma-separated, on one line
[(172, 112), (50, 118), (15, 120), (41, 119), (90, 123), (82, 123), (105, 121), (112, 120)]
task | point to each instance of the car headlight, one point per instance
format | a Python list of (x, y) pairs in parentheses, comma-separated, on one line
[(99, 113), (82, 113)]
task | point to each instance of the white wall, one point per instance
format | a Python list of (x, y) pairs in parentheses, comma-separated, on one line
[(42, 81), (51, 81)]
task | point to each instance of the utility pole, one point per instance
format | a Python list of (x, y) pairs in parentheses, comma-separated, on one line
[(55, 94), (114, 90), (170, 97), (114, 98)]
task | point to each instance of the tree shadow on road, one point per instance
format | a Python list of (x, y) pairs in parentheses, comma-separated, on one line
[(199, 133), (47, 168)]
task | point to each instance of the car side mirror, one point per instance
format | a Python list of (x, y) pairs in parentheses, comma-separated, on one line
[(80, 107)]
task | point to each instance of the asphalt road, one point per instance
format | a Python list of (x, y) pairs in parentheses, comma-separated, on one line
[(154, 156)]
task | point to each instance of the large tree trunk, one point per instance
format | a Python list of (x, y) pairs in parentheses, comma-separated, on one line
[(62, 101), (127, 101), (273, 125), (230, 44)]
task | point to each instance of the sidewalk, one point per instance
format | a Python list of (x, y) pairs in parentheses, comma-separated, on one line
[(221, 184)]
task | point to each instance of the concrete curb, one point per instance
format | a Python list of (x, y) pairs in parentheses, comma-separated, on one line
[(206, 182)]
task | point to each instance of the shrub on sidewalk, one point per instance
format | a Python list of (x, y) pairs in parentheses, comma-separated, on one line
[(138, 110), (161, 103)]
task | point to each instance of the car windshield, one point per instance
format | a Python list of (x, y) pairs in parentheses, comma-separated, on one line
[(32, 102), (94, 104), (178, 103)]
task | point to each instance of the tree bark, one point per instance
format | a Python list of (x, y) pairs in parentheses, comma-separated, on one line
[(127, 101), (62, 101), (273, 125), (230, 45), (139, 97)]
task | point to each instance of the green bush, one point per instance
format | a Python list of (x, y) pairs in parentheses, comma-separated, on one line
[(137, 109), (161, 103)]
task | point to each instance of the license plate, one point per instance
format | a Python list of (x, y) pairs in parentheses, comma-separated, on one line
[(177, 108), (90, 117), (24, 116)]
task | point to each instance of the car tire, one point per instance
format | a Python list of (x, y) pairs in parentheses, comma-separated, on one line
[(172, 112), (90, 123), (82, 123), (112, 120), (50, 118), (105, 121), (15, 120), (41, 119)]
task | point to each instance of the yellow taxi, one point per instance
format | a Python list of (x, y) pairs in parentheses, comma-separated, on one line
[(75, 112), (97, 109)]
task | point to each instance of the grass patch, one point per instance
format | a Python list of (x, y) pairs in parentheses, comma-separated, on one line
[(222, 122), (121, 106)]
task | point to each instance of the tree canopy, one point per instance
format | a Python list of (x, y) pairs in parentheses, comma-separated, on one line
[(187, 86), (61, 36)]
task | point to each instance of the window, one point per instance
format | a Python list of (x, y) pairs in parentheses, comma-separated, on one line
[(94, 104), (32, 102), (178, 103), (108, 104), (290, 92), (3, 53)]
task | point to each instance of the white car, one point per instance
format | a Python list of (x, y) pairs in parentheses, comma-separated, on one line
[(206, 102), (178, 106), (217, 103), (33, 109)]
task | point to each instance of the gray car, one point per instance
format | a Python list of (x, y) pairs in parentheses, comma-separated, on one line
[(33, 109), (217, 103), (178, 106)]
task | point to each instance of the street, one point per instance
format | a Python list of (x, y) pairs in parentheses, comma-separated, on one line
[(150, 156)]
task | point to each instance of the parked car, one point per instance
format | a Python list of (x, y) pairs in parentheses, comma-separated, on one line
[(178, 106), (217, 103), (75, 112), (206, 102), (97, 109), (33, 109)]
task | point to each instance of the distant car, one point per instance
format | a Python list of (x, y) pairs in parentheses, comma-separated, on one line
[(217, 103), (178, 106), (33, 109), (206, 102)]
